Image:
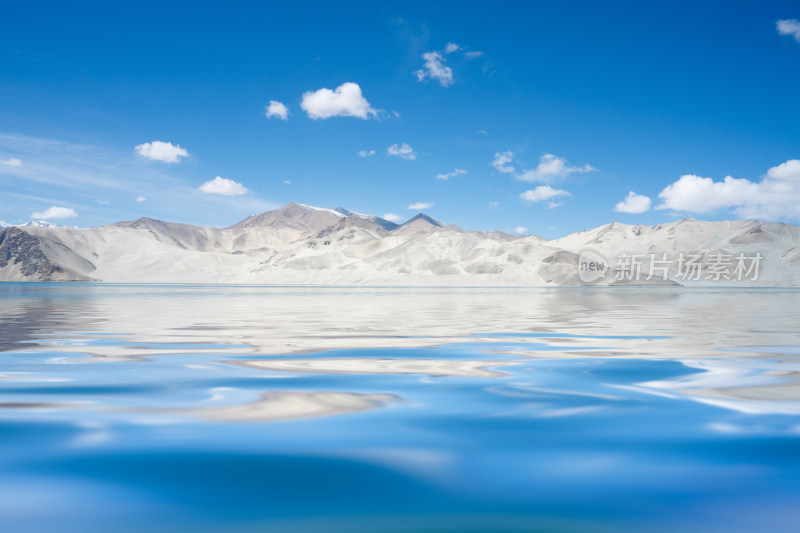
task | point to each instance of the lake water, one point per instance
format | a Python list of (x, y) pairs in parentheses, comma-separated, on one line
[(293, 409)]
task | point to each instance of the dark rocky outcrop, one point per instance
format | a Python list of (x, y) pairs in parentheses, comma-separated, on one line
[(20, 248)]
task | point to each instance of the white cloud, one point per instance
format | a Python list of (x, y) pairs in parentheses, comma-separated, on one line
[(521, 229), (789, 27), (287, 182), (542, 192), (161, 151), (420, 205), (103, 202), (553, 205), (223, 186), (13, 162), (776, 196), (634, 204), (140, 198), (789, 171), (67, 170), (277, 109), (701, 195), (365, 153), (501, 160), (55, 212), (551, 168), (453, 174), (435, 69), (401, 150), (345, 101), (391, 217)]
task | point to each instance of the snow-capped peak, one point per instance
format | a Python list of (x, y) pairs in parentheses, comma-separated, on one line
[(39, 224), (335, 212)]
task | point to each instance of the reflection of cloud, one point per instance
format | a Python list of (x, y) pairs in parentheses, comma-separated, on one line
[(742, 385), (430, 367), (291, 405), (752, 407)]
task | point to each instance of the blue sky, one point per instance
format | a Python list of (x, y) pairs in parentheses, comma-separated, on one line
[(544, 115)]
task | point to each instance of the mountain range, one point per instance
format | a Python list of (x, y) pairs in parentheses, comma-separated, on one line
[(300, 244)]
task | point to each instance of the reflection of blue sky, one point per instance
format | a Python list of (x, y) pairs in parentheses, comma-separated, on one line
[(172, 435)]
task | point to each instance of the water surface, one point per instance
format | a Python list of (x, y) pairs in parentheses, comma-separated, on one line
[(235, 408)]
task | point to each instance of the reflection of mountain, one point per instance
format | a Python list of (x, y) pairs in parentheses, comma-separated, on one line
[(30, 321), (292, 405), (366, 365), (303, 244)]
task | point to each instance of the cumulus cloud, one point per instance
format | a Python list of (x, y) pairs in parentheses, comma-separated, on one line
[(277, 109), (551, 168), (420, 205), (501, 161), (776, 196), (634, 204), (453, 174), (401, 150), (434, 68), (451, 47), (223, 186), (789, 27), (521, 229), (140, 199), (161, 151), (365, 153), (542, 192), (13, 162), (701, 195), (391, 217), (55, 212), (345, 101)]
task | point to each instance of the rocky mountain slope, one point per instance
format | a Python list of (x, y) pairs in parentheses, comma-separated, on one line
[(304, 244)]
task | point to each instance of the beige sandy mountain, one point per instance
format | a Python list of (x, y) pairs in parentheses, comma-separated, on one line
[(305, 244)]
